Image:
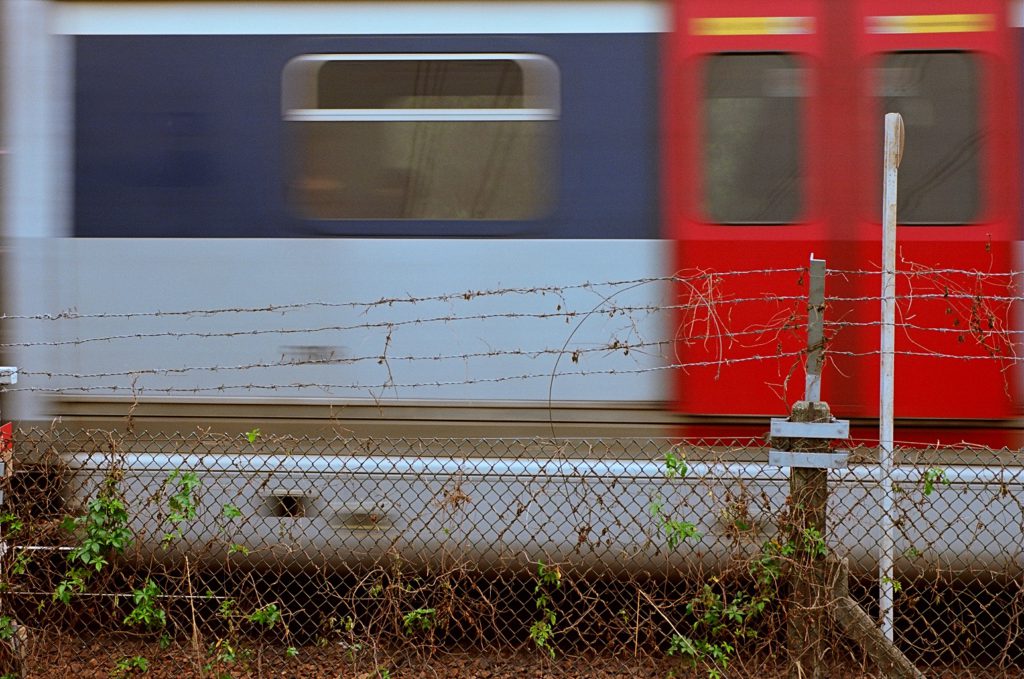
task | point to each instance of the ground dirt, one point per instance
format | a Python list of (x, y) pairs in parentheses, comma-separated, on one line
[(99, 659)]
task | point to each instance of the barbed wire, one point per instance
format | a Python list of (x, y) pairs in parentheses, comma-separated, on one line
[(611, 311), (922, 271), (699, 314), (385, 385), (463, 296), (1002, 299), (406, 385), (617, 346)]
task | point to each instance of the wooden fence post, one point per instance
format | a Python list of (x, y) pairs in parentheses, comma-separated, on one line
[(808, 492)]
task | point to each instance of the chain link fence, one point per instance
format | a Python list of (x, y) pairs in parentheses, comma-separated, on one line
[(261, 555)]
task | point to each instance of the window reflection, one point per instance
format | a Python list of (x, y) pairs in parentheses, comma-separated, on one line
[(752, 112), (428, 138), (937, 95)]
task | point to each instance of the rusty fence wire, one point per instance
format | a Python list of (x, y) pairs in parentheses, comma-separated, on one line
[(256, 555), (552, 341)]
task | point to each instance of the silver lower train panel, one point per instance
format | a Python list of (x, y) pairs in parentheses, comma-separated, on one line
[(599, 514)]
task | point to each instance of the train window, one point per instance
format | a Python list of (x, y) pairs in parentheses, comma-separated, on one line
[(399, 136), (940, 175), (752, 138), (423, 83)]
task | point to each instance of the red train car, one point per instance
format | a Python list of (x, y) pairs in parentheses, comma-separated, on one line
[(773, 117)]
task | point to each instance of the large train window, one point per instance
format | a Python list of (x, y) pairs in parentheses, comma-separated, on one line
[(752, 161), (937, 93), (401, 136)]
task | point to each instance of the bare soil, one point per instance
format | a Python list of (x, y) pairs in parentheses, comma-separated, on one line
[(105, 656)]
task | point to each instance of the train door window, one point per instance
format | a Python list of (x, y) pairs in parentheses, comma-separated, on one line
[(752, 122), (429, 137), (940, 174)]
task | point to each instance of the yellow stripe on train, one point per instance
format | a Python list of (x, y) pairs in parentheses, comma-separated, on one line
[(931, 23), (752, 25)]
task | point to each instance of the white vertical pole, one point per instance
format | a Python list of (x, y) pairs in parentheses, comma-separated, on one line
[(892, 155)]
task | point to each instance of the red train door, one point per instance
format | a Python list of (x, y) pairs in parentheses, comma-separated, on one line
[(773, 151), (743, 113), (948, 66)]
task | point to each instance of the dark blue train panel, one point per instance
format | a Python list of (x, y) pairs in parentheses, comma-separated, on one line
[(184, 136)]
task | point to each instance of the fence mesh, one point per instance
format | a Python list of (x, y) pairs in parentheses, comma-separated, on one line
[(256, 555)]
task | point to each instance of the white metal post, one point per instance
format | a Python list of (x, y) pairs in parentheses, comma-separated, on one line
[(892, 155)]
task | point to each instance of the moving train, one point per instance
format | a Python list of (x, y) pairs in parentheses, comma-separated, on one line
[(457, 218), (194, 162), (217, 156)]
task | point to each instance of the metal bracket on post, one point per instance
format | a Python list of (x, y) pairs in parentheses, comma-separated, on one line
[(811, 431)]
